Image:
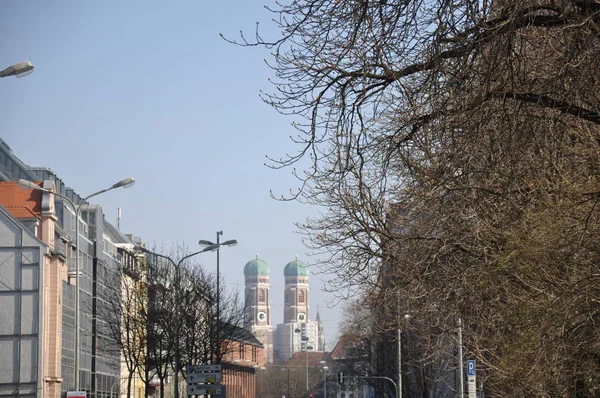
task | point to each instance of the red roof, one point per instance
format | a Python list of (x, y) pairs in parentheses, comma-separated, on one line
[(21, 203), (346, 342)]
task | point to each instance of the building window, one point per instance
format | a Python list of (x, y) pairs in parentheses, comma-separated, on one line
[(254, 354), (242, 351), (261, 296), (301, 297)]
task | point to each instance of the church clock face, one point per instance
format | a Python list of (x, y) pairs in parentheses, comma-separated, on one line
[(301, 316), (261, 316)]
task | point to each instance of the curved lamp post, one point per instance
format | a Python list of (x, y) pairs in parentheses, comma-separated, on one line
[(21, 69), (231, 242), (126, 183), (177, 303)]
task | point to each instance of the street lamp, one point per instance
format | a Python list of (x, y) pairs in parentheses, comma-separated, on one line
[(460, 360), (177, 303), (288, 371), (231, 242), (21, 69), (325, 368), (126, 183), (305, 347), (262, 369)]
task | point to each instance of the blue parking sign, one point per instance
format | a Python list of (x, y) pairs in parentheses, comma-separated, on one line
[(470, 367)]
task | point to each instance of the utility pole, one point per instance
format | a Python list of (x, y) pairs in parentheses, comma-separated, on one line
[(461, 392)]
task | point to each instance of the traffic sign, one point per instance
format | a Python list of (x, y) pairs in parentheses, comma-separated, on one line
[(204, 389), (471, 384), (208, 377), (203, 368), (471, 367)]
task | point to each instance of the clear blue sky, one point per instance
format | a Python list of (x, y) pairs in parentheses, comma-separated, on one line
[(148, 89)]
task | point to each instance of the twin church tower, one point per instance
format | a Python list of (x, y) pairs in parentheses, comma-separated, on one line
[(297, 332)]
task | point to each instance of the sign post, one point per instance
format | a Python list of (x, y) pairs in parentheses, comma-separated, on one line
[(205, 380), (471, 384)]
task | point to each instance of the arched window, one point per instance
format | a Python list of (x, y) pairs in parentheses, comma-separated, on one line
[(261, 296), (301, 297)]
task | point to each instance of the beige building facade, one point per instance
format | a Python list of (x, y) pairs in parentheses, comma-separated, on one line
[(29, 218)]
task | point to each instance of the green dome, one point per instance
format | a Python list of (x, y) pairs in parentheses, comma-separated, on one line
[(257, 267), (295, 268)]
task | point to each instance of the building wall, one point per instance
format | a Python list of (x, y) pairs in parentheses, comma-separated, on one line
[(288, 341), (264, 334), (240, 368), (240, 381), (22, 261), (56, 273)]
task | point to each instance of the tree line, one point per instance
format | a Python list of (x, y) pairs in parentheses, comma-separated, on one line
[(454, 148), (159, 317)]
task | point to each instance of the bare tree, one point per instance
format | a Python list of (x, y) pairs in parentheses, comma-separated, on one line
[(124, 295)]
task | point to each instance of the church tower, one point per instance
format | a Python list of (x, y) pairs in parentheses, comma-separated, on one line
[(296, 292), (258, 309)]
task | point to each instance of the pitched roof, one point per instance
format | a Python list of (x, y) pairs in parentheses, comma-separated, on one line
[(349, 346), (21, 203), (237, 333), (115, 235)]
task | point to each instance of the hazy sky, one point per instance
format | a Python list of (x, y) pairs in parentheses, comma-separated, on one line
[(148, 89)]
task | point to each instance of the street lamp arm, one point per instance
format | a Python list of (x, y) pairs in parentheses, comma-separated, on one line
[(28, 184), (178, 264), (206, 249), (126, 183), (143, 249)]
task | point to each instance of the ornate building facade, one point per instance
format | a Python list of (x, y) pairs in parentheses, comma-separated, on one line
[(297, 332), (258, 315)]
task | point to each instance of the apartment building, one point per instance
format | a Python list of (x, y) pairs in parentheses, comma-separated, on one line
[(46, 298)]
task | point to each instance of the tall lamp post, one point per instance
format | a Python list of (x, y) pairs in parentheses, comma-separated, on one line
[(305, 347), (261, 369), (288, 384), (126, 183), (177, 302), (231, 242), (461, 383), (21, 69), (325, 369)]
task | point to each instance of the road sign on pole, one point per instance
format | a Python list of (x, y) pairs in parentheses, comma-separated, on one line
[(204, 389), (203, 368), (205, 380), (471, 367), (471, 383), (208, 377)]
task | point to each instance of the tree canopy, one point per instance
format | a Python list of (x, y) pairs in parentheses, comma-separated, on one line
[(454, 146)]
